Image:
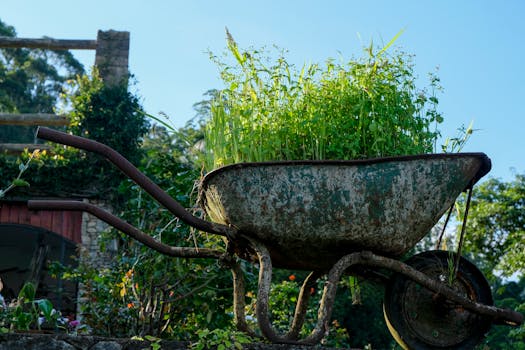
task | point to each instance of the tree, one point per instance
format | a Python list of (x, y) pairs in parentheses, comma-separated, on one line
[(108, 114), (31, 81), (508, 294), (496, 228), (495, 240)]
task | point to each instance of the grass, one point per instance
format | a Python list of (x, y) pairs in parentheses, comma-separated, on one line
[(366, 107)]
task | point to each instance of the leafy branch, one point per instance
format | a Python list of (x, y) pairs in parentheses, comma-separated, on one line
[(18, 181)]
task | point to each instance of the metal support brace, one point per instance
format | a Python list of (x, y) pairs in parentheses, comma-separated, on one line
[(364, 258)]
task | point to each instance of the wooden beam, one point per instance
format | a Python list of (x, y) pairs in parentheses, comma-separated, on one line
[(33, 119), (48, 43), (15, 148)]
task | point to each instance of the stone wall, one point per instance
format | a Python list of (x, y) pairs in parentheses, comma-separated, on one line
[(89, 250), (92, 227), (15, 341), (65, 342)]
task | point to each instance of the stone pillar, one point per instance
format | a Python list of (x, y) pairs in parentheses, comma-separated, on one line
[(112, 57), (92, 227), (89, 249)]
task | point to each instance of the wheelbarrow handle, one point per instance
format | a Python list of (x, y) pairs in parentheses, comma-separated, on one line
[(123, 226), (138, 177)]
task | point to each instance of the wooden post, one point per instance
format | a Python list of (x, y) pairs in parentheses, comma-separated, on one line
[(112, 57), (112, 51), (33, 119), (48, 43)]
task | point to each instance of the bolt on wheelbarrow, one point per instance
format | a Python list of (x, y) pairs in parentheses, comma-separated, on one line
[(333, 218)]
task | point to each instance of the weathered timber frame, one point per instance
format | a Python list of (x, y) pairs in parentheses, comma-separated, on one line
[(111, 58), (33, 119), (48, 43)]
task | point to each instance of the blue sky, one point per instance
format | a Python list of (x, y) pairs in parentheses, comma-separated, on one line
[(477, 46)]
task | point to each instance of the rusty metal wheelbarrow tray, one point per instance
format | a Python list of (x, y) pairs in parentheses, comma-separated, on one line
[(310, 213)]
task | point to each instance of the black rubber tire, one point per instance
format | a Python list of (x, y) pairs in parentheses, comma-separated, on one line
[(420, 319)]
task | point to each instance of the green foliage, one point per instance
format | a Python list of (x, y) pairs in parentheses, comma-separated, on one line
[(362, 317), (143, 292), (496, 227), (357, 321), (367, 107), (510, 294), (495, 241), (108, 114), (64, 173), (26, 312), (31, 81), (220, 339), (18, 181), (456, 144), (283, 298), (282, 302)]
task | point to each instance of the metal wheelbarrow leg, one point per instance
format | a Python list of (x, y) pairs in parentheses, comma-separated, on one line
[(364, 258)]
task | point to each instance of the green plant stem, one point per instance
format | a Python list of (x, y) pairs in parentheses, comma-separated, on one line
[(17, 182)]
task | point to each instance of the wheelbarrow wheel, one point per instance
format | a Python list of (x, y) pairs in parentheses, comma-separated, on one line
[(418, 318)]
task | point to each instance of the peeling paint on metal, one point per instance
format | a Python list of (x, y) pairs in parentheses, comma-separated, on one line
[(311, 213)]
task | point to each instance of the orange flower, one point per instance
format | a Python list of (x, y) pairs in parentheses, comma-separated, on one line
[(130, 305), (291, 277)]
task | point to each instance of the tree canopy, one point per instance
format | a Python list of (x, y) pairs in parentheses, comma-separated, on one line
[(31, 81), (496, 226)]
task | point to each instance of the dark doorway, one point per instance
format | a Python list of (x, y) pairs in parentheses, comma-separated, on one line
[(25, 254)]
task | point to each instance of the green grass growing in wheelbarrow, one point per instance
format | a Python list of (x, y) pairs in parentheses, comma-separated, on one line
[(365, 107)]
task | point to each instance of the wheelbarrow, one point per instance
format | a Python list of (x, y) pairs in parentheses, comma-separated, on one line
[(332, 218)]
